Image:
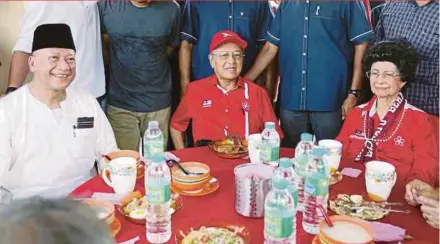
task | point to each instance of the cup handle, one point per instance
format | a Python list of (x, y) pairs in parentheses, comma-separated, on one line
[(105, 177)]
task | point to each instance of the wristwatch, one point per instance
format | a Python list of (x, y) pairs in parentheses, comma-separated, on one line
[(10, 89), (355, 92)]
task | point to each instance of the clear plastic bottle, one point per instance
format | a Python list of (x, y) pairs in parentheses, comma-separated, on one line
[(279, 215), (303, 153), (315, 192), (270, 145), (158, 194), (153, 140), (285, 171)]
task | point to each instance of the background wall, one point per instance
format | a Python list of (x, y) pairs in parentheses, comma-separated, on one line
[(10, 17)]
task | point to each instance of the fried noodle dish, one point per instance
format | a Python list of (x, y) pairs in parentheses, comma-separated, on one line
[(212, 235)]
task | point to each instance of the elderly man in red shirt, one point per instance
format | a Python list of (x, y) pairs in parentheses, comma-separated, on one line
[(225, 103)]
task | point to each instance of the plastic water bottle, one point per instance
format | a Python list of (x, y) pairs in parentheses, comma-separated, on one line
[(315, 192), (270, 145), (153, 140), (303, 153), (279, 215), (285, 171), (158, 193)]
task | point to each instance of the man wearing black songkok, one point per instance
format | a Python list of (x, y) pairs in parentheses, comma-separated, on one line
[(50, 136)]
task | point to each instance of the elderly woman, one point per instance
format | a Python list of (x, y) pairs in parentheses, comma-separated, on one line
[(388, 128)]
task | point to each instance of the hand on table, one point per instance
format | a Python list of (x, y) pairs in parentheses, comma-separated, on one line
[(417, 188), (170, 156), (430, 211)]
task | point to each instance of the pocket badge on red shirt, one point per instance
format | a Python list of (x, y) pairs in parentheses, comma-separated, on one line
[(207, 103)]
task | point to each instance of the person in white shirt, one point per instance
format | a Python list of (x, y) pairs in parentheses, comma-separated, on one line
[(83, 19), (50, 136)]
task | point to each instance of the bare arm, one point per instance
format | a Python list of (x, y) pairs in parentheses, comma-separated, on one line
[(169, 50), (266, 55), (178, 138), (271, 79), (185, 65), (105, 50), (356, 82), (19, 69), (359, 51)]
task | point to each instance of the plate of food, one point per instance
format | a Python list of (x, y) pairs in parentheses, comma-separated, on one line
[(355, 206), (213, 233), (229, 148), (134, 206)]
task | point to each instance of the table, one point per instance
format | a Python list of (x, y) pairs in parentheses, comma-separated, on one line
[(220, 205)]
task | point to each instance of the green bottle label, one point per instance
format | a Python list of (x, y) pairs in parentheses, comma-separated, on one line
[(158, 194), (152, 148), (278, 227), (317, 185), (269, 154)]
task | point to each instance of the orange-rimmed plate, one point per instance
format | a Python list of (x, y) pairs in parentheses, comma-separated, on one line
[(209, 188), (185, 235), (115, 227)]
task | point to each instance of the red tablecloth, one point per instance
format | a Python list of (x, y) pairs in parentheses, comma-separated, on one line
[(220, 205)]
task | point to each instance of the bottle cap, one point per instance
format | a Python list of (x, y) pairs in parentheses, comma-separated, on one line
[(319, 151), (158, 158), (306, 137), (280, 184), (153, 124), (269, 125), (286, 163)]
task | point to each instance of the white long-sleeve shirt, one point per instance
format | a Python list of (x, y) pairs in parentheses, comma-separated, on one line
[(41, 152), (83, 19)]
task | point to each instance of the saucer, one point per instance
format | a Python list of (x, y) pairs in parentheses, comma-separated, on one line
[(335, 178), (209, 188), (115, 227)]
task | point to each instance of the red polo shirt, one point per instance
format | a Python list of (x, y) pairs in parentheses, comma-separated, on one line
[(213, 110)]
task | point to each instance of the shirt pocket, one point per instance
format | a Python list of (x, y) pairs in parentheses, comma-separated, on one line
[(83, 144), (323, 12)]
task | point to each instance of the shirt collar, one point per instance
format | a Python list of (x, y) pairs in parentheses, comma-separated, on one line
[(213, 81)]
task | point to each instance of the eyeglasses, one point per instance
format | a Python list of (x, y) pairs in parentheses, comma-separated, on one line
[(237, 56), (387, 75)]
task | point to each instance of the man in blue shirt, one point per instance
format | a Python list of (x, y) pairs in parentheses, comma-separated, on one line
[(141, 34), (320, 45), (202, 19)]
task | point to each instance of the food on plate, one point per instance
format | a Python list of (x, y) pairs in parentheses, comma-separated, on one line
[(347, 205), (212, 235), (230, 147), (134, 205)]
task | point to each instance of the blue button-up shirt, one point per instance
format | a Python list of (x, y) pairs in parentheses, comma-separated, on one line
[(201, 20), (316, 50)]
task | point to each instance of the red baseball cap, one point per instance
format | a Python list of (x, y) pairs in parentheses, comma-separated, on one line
[(226, 36)]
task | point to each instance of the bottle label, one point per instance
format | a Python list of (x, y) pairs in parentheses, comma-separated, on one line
[(269, 153), (317, 185), (152, 147), (158, 194), (278, 227)]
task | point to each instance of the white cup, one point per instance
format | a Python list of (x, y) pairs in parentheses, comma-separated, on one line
[(380, 178), (254, 142), (122, 174), (334, 149)]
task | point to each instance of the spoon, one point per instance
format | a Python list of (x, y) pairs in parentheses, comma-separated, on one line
[(360, 209), (183, 169)]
